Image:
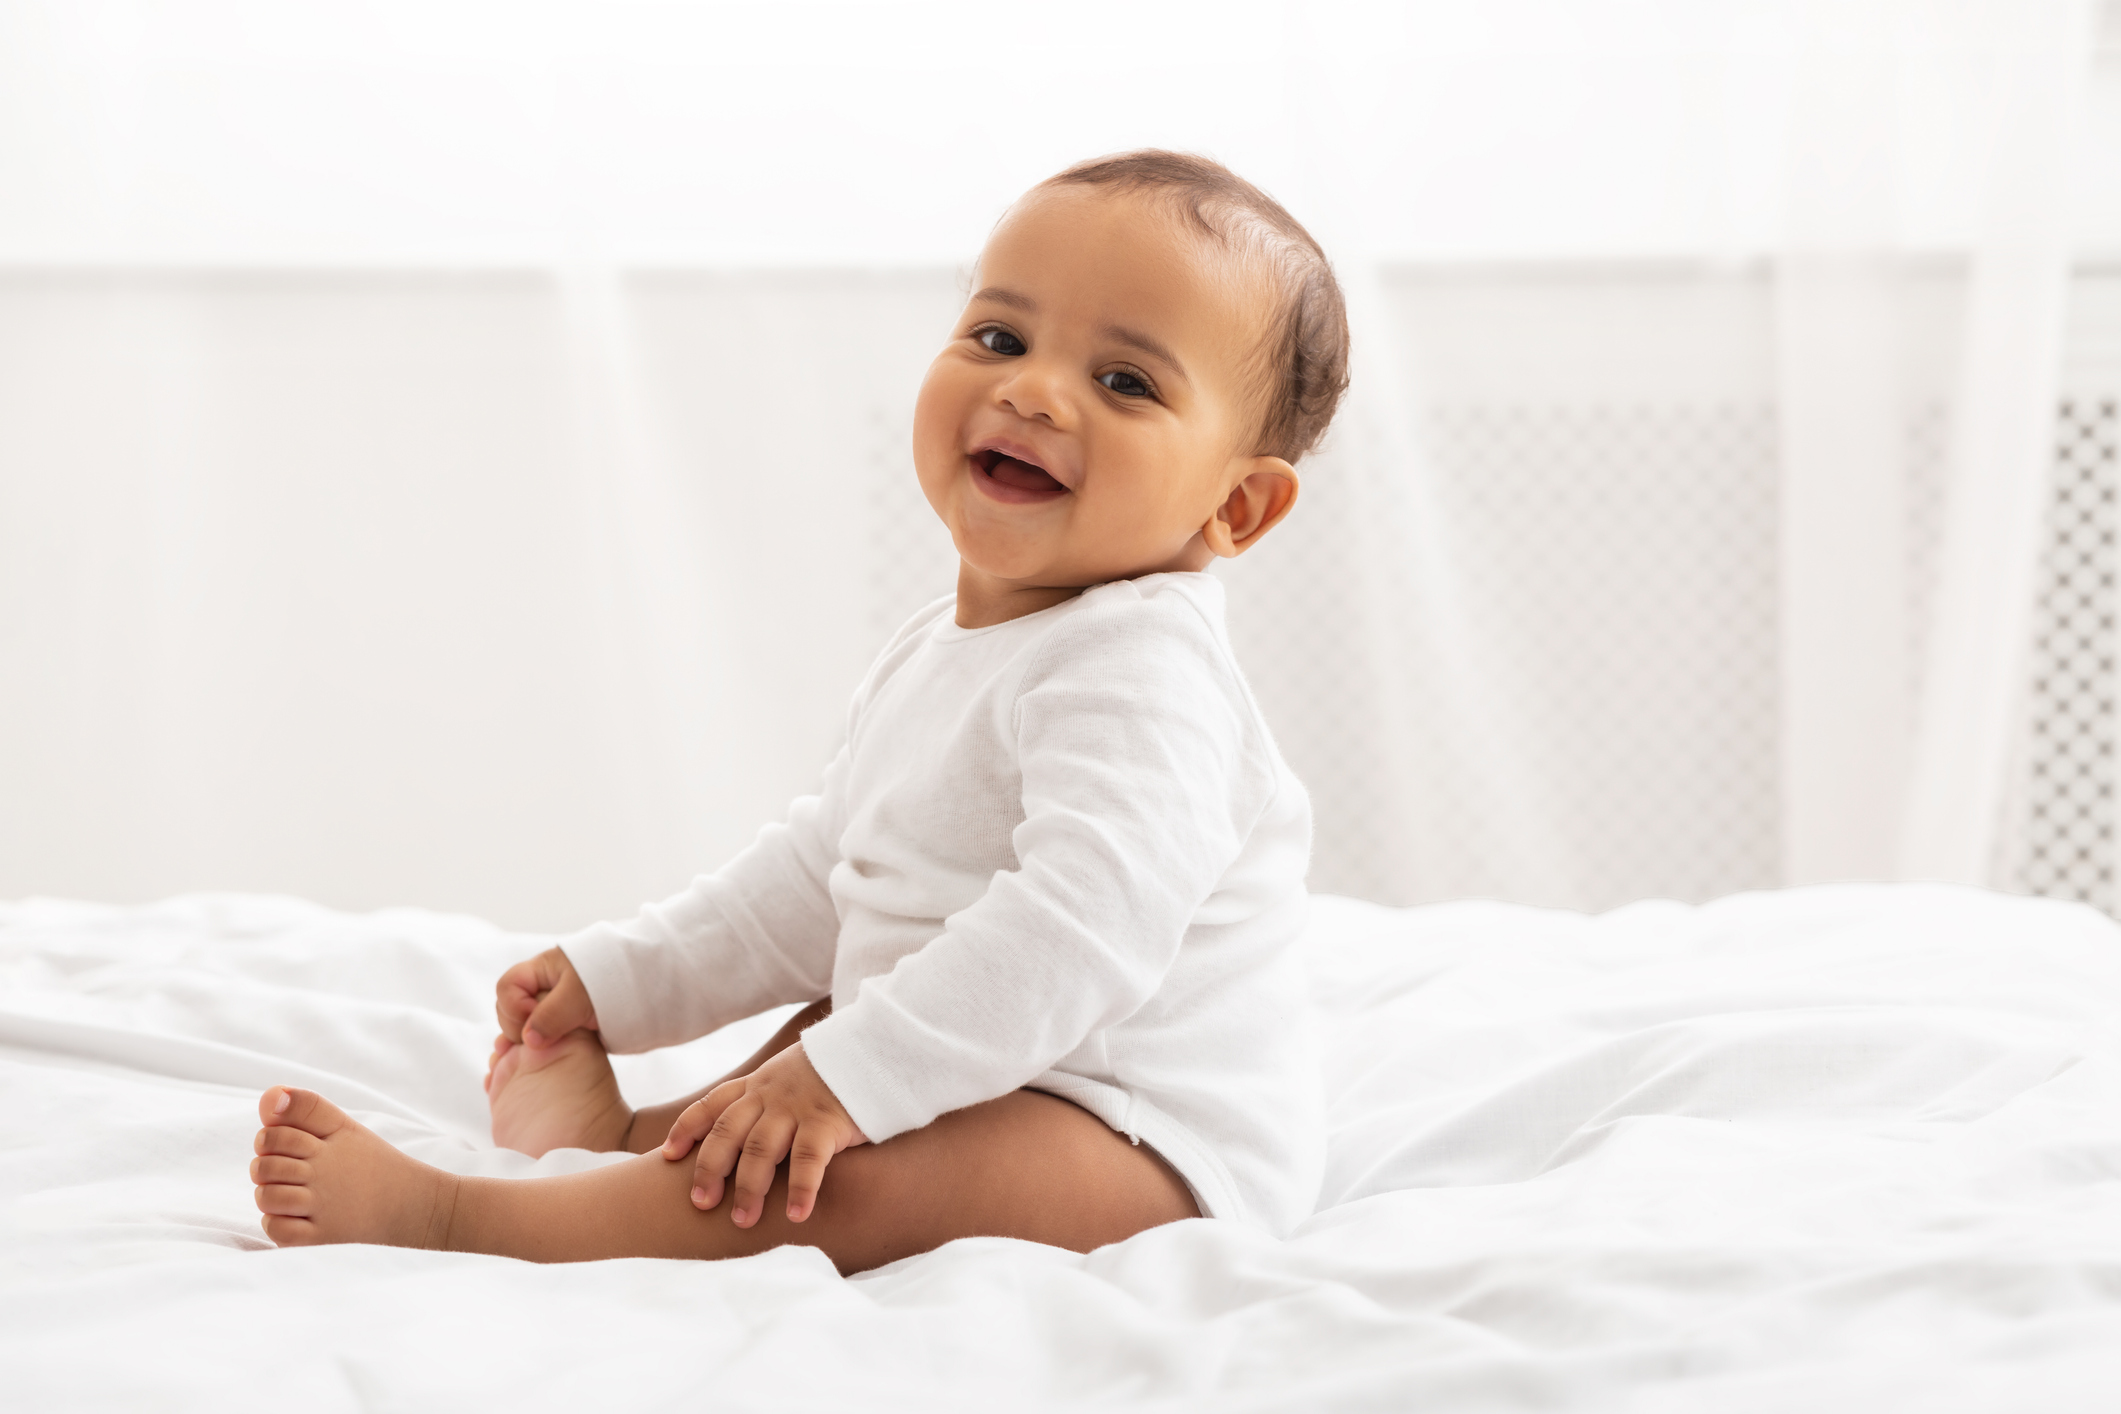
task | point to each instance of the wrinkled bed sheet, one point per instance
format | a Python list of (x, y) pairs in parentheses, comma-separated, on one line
[(1828, 1149)]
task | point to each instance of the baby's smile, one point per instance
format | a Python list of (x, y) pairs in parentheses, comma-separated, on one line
[(1014, 475)]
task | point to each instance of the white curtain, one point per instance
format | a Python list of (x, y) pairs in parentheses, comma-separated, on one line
[(456, 453)]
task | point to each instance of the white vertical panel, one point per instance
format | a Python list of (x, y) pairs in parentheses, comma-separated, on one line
[(1843, 592), (1843, 633), (2002, 433)]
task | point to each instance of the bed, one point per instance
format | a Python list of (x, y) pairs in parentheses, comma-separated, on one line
[(1848, 1148)]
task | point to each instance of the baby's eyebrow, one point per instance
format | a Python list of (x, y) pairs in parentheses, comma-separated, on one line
[(1133, 338), (995, 294)]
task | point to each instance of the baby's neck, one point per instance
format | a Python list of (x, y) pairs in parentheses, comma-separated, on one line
[(983, 601)]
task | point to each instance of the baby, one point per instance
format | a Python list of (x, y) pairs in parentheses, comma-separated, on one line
[(1044, 907)]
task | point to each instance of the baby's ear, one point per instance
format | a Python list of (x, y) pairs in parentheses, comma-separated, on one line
[(1266, 488)]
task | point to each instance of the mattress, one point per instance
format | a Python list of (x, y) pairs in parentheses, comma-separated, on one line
[(1845, 1148)]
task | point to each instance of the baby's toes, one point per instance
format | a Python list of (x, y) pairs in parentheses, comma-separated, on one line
[(285, 1200), (291, 1232), (501, 1046), (283, 1139), (302, 1109), (277, 1168), (507, 1060)]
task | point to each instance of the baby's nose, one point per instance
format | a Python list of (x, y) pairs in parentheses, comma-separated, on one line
[(1035, 394)]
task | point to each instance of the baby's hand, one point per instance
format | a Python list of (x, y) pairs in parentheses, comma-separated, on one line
[(540, 1000), (783, 1109)]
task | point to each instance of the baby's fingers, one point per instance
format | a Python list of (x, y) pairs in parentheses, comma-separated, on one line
[(807, 1156), (566, 1007), (721, 1147), (698, 1118), (764, 1148), (515, 996)]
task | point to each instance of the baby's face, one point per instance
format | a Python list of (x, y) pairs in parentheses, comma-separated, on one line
[(1093, 408)]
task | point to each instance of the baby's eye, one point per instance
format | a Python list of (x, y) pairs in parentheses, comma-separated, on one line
[(1000, 341), (1126, 384)]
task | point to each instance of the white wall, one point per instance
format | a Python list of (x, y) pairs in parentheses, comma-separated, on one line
[(819, 132), (375, 588)]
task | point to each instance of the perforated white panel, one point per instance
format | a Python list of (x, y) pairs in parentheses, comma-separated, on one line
[(1614, 581), (2068, 794), (1629, 552)]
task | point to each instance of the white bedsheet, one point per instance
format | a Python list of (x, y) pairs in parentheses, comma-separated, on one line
[(1827, 1149)]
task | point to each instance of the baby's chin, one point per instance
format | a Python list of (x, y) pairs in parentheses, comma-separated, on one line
[(1013, 548)]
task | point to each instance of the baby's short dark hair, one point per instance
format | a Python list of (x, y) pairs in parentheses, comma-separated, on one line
[(1305, 357)]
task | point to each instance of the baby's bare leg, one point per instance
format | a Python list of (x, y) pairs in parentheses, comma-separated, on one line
[(1027, 1165)]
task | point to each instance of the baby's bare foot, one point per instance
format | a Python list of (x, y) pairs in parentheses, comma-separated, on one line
[(323, 1178), (561, 1096)]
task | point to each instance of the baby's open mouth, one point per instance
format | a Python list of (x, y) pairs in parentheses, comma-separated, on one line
[(1014, 479)]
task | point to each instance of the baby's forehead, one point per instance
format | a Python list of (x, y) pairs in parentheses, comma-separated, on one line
[(1159, 220), (1137, 238)]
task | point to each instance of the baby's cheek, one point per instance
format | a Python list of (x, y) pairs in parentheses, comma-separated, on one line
[(939, 412)]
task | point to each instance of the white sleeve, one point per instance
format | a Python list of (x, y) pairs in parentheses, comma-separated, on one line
[(758, 932), (1143, 772)]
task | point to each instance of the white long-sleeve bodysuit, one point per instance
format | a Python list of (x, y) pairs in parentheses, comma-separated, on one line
[(1059, 852)]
